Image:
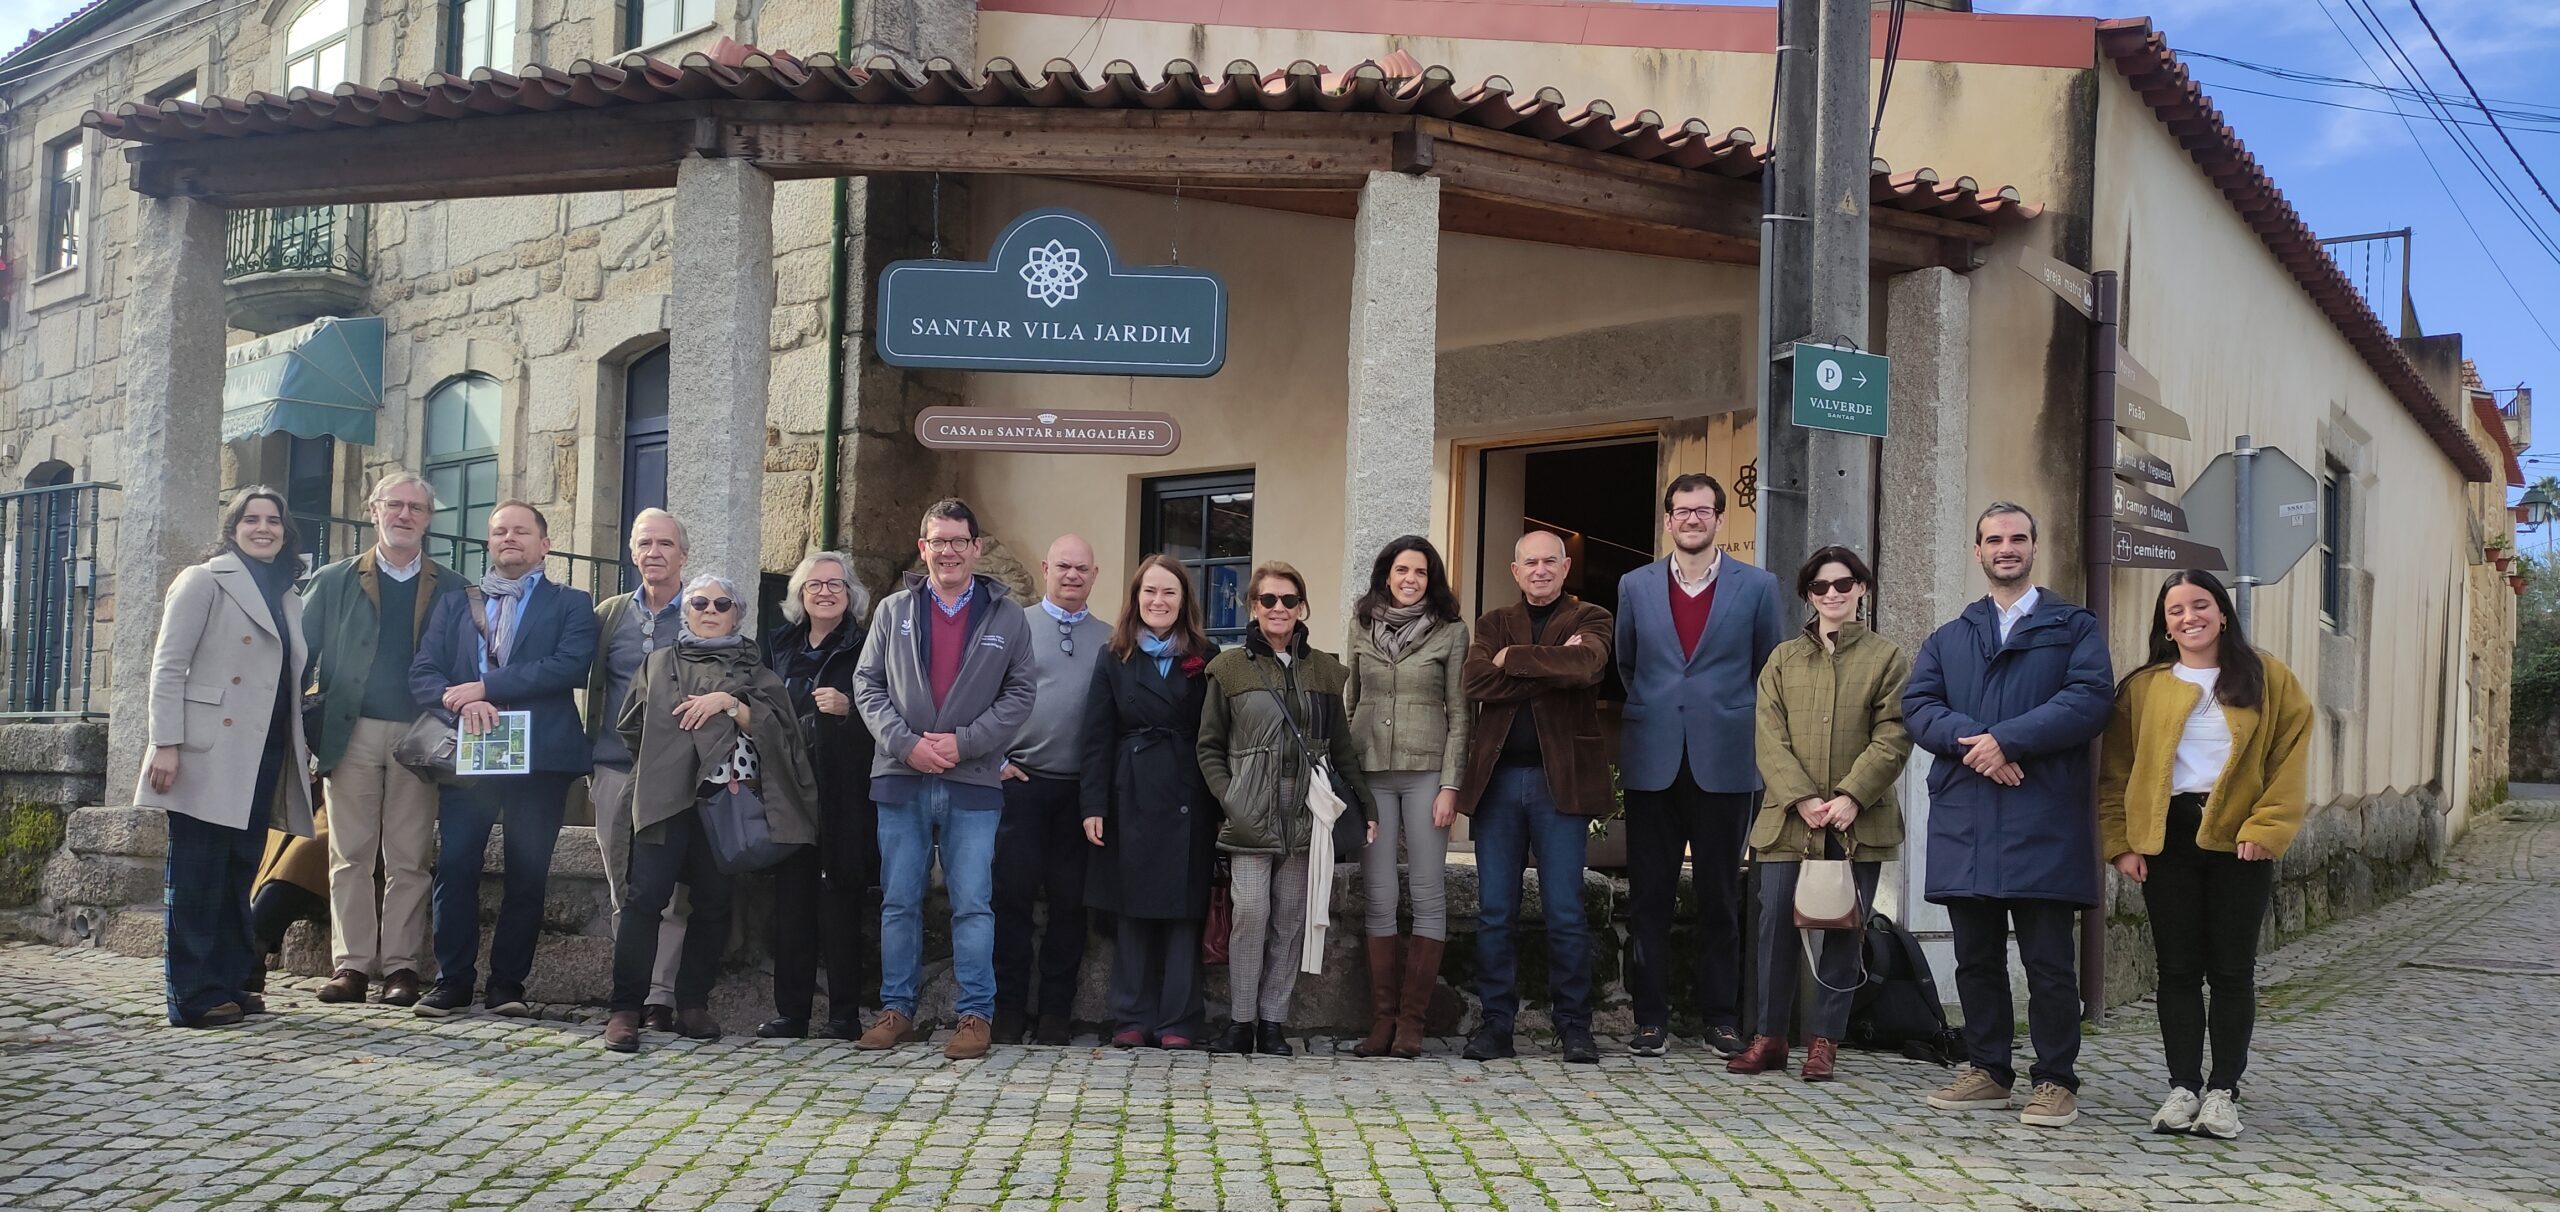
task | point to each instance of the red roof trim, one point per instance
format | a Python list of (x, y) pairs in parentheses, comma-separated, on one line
[(2484, 405), (2007, 39), (2154, 72)]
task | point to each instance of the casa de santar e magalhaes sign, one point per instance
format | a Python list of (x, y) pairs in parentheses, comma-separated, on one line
[(1052, 298)]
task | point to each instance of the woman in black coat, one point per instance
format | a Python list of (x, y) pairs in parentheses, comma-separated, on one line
[(1148, 808), (821, 893)]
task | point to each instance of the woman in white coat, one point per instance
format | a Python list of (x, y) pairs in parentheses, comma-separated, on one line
[(228, 758)]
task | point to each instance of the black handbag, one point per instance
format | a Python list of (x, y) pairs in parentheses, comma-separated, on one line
[(1351, 829)]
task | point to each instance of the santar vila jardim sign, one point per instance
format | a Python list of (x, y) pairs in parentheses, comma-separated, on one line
[(1052, 298)]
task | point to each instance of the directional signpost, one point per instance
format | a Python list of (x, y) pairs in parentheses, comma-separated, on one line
[(1839, 389), (2258, 504)]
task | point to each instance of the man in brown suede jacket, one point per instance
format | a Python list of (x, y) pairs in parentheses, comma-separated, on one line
[(1537, 772)]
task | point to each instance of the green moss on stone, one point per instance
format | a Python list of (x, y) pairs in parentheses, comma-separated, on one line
[(29, 834)]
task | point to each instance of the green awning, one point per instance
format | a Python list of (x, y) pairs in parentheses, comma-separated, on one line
[(323, 379)]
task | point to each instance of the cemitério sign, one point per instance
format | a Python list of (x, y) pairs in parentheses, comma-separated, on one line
[(1052, 298)]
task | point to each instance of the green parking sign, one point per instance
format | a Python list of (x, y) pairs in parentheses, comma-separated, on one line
[(1839, 389)]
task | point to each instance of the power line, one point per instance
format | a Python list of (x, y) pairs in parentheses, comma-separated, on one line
[(2393, 53), (39, 66), (2525, 110), (2226, 87), (2465, 77)]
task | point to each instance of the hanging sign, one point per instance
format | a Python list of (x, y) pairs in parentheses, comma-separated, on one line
[(2142, 466), (2134, 507), (2143, 549), (1048, 431), (1842, 390), (1052, 298), (2070, 282), (2138, 406)]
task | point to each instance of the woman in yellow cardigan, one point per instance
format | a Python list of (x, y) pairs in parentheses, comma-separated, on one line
[(2201, 790)]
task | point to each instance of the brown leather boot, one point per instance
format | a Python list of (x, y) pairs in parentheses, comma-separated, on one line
[(1383, 980), (1767, 1052), (346, 985), (1421, 979), (622, 1031), (1818, 1057)]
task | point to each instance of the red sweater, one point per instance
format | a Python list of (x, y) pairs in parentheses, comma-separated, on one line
[(950, 647), (1689, 614)]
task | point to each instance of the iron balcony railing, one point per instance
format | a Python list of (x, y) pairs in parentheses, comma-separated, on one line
[(343, 537), (48, 600), (309, 238)]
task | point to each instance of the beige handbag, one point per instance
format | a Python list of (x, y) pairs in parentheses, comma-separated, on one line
[(1827, 899)]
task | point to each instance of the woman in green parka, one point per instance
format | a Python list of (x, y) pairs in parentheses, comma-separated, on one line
[(1830, 742)]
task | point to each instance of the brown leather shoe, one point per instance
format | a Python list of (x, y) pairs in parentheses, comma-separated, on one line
[(622, 1032), (697, 1023), (401, 988), (1818, 1057), (1421, 980), (972, 1040), (886, 1032), (347, 985), (1384, 983), (658, 1018), (1767, 1052)]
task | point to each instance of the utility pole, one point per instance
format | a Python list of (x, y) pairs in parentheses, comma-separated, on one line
[(1817, 487)]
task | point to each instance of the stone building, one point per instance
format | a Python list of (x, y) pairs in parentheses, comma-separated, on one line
[(1468, 298)]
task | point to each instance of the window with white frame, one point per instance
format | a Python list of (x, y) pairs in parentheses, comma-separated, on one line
[(2333, 543), (649, 22), (479, 33), (65, 174), (315, 45)]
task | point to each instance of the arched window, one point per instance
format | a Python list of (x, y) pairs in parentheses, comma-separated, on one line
[(644, 445), (461, 464), (315, 45)]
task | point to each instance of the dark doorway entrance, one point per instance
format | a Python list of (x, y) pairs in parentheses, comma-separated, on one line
[(644, 448)]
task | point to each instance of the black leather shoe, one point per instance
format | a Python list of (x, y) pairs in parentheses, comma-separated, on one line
[(843, 1028), (1053, 1031), (1271, 1039), (443, 1000), (783, 1028), (227, 1014), (1238, 1041), (1489, 1043), (507, 999), (1579, 1048), (1010, 1029), (1725, 1040), (658, 1018)]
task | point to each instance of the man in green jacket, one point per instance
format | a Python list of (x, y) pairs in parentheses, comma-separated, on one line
[(628, 628), (361, 619)]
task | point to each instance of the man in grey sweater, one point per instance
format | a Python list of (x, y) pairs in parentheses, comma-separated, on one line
[(1040, 846), (945, 685)]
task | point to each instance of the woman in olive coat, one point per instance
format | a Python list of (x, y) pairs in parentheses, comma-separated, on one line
[(1148, 808)]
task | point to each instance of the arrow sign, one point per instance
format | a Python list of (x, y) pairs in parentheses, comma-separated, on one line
[(2143, 549), (2138, 406), (2135, 507), (2072, 285), (2135, 463)]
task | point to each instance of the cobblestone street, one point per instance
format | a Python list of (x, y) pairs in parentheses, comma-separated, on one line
[(2405, 1060)]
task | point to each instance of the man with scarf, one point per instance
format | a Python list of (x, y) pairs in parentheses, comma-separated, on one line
[(517, 643)]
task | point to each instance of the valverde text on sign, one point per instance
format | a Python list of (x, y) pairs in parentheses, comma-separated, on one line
[(1049, 431), (1053, 298)]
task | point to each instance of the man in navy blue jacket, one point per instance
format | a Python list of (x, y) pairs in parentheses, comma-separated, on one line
[(1694, 628), (2007, 698), (529, 649)]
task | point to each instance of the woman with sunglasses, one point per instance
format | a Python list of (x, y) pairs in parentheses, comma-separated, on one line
[(690, 706), (1408, 704), (1830, 741), (822, 893), (2203, 782), (1274, 713), (1147, 807)]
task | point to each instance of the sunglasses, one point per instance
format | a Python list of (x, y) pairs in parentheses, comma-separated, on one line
[(1819, 588), (713, 605), (1286, 601)]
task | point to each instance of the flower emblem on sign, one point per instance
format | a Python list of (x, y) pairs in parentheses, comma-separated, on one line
[(1052, 272)]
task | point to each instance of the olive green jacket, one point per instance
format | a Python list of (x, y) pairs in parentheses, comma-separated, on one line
[(1251, 758), (1410, 714), (1830, 723)]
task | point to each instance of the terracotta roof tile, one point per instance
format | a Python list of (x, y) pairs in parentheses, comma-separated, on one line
[(1397, 84)]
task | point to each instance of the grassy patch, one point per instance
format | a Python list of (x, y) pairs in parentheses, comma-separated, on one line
[(29, 834)]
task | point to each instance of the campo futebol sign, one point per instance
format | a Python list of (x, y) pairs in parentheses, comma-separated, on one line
[(1052, 298)]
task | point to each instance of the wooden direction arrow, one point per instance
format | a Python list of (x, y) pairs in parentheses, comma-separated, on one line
[(2072, 284), (2143, 549), (2135, 463), (2138, 405), (2135, 507)]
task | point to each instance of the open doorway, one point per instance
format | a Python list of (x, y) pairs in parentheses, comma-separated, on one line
[(1597, 494)]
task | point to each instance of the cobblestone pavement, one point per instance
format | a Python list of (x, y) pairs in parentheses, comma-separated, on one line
[(2406, 1060)]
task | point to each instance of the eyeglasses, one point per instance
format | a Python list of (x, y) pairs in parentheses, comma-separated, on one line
[(1819, 588), (1286, 601), (713, 605), (948, 546), (1067, 638), (824, 587), (1693, 513)]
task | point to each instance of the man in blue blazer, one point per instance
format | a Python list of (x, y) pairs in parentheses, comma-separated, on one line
[(514, 643), (1694, 628), (2007, 698)]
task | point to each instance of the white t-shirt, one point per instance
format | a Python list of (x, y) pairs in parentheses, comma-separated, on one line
[(2204, 746)]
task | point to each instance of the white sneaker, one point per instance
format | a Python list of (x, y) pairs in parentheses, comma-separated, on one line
[(2177, 1113), (2220, 1117)]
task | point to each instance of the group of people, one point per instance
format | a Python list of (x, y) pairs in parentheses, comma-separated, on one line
[(1137, 769)]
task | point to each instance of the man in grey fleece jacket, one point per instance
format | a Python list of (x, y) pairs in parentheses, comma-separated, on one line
[(945, 683)]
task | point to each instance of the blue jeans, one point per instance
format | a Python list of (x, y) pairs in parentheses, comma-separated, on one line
[(908, 834), (531, 806), (1518, 814)]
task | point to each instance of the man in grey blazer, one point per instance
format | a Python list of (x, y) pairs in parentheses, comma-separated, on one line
[(1694, 628)]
